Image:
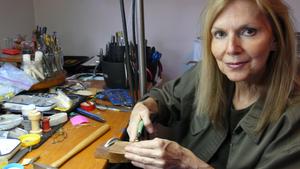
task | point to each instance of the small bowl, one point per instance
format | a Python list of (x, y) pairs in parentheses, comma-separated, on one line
[(13, 166)]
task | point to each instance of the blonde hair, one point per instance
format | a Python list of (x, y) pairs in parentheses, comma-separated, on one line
[(213, 91)]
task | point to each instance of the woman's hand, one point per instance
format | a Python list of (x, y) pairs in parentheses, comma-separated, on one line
[(141, 111), (161, 153)]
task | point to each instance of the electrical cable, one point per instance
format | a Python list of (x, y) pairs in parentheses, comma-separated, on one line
[(127, 59)]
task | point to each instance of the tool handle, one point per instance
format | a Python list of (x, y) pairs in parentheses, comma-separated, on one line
[(20, 154), (90, 115), (84, 143)]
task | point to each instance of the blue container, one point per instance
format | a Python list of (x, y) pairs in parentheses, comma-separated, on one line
[(13, 165)]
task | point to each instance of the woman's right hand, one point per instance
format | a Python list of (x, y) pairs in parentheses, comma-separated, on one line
[(141, 111)]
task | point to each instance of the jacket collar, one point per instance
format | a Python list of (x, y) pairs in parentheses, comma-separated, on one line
[(249, 122)]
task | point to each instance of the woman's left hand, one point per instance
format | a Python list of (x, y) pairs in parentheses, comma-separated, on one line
[(161, 153)]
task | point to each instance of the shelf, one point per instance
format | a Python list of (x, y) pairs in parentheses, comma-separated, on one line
[(11, 58), (57, 78)]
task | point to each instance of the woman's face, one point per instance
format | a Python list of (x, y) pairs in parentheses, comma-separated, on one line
[(241, 41)]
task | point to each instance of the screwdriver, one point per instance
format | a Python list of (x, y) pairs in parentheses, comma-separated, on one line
[(139, 130)]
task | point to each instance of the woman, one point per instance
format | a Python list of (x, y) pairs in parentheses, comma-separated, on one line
[(245, 112)]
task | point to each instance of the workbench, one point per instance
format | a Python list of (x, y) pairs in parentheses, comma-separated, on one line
[(50, 152)]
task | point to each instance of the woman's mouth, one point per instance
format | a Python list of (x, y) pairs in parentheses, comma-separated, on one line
[(236, 65)]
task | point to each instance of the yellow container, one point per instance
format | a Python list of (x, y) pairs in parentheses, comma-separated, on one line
[(29, 139)]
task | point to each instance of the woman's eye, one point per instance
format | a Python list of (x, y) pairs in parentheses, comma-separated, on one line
[(248, 32), (219, 34)]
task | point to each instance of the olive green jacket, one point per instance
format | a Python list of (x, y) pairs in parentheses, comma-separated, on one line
[(278, 146)]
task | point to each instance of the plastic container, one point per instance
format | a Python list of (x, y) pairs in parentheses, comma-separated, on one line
[(9, 147), (114, 74), (9, 121), (13, 166)]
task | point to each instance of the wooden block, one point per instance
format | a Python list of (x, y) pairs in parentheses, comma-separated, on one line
[(114, 153)]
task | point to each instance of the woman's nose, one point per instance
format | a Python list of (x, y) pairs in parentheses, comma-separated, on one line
[(233, 45)]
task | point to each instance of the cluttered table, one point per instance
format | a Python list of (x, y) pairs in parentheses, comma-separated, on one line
[(72, 133), (50, 152), (46, 118)]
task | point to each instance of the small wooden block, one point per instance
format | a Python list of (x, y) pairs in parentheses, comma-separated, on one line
[(114, 153)]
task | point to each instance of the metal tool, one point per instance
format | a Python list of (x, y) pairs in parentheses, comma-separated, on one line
[(19, 155), (113, 108), (110, 142), (27, 161), (90, 115), (139, 130), (127, 59), (27, 141), (84, 143)]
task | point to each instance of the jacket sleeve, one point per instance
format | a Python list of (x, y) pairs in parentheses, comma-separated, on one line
[(175, 95), (285, 159), (284, 151)]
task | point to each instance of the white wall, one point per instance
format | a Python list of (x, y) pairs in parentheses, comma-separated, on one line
[(85, 26), (295, 6), (16, 17)]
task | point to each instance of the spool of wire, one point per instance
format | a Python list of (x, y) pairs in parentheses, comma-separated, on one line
[(46, 124), (88, 106)]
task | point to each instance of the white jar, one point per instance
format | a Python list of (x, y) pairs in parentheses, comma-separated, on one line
[(27, 108)]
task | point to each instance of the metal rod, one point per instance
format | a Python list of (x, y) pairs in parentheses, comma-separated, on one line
[(141, 46), (133, 22), (135, 70), (127, 59)]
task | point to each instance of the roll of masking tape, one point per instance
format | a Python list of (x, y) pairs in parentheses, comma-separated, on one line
[(29, 139), (88, 106), (58, 118)]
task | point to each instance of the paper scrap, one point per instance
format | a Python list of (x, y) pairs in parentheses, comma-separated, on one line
[(79, 119)]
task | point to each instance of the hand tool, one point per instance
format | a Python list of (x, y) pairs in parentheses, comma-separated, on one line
[(84, 143), (19, 155), (90, 115), (127, 59), (113, 108), (27, 161), (113, 150), (110, 142), (27, 141), (139, 130)]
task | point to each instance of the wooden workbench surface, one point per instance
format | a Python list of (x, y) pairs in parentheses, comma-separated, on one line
[(50, 152)]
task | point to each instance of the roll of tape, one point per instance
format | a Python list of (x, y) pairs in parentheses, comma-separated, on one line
[(58, 118), (29, 139), (88, 106)]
